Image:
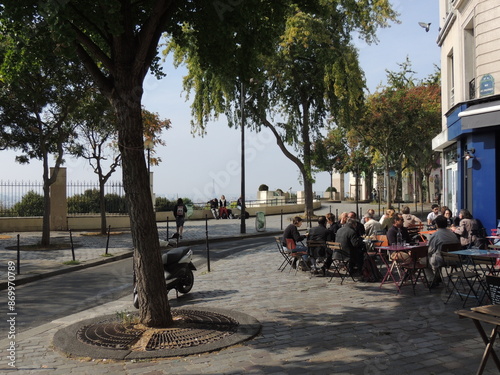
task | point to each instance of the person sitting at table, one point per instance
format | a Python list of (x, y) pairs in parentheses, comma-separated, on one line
[(371, 225), (467, 229), (342, 219), (450, 220), (386, 219), (433, 214), (352, 244), (318, 233), (332, 228), (409, 219), (291, 236), (360, 229), (437, 239), (397, 226)]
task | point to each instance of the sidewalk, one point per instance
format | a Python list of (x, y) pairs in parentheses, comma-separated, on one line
[(309, 326)]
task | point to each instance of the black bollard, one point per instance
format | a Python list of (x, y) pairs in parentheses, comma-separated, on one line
[(18, 255), (72, 247), (208, 250), (107, 241)]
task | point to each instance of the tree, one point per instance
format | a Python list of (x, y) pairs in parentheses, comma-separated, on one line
[(400, 121), (310, 73), (98, 142), (117, 41), (38, 92), (329, 153)]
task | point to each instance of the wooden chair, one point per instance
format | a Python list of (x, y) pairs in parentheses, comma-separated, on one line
[(340, 261)]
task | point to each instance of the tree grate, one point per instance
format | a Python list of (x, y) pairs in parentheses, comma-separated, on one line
[(190, 328)]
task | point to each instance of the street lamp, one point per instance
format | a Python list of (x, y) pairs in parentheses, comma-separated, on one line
[(148, 145)]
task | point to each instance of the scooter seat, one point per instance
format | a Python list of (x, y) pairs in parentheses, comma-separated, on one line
[(174, 255)]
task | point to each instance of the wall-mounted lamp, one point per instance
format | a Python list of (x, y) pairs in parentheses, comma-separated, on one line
[(469, 154)]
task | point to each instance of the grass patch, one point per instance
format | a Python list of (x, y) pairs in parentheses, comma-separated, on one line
[(107, 255), (71, 262)]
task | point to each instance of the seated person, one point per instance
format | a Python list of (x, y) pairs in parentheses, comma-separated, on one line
[(352, 246), (397, 226), (318, 233), (214, 207), (291, 236), (467, 229), (442, 236), (360, 229), (386, 219), (372, 226), (433, 214), (409, 219)]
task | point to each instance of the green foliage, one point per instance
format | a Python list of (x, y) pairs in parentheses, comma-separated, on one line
[(331, 188), (30, 205), (88, 203), (263, 187)]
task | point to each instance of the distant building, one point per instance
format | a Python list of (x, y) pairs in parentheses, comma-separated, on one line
[(469, 38)]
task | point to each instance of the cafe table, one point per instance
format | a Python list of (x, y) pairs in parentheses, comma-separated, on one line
[(392, 265), (487, 314)]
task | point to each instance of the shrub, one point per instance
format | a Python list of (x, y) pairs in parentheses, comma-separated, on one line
[(263, 187), (30, 205)]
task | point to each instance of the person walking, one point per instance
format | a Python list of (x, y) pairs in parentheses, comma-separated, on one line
[(180, 211)]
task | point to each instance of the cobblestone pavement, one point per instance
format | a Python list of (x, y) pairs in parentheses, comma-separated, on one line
[(309, 326)]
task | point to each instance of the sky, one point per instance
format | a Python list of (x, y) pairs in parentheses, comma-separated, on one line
[(202, 168)]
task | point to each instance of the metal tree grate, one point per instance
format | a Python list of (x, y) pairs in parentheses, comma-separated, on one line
[(189, 329), (109, 335)]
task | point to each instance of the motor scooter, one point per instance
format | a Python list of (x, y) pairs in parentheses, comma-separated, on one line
[(178, 270)]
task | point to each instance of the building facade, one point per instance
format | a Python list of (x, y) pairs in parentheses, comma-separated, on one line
[(469, 37)]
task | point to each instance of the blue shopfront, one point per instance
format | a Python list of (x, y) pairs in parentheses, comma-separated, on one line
[(470, 159)]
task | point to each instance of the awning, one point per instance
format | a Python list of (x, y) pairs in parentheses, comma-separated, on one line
[(481, 115)]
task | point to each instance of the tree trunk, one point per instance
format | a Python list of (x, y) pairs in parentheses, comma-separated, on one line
[(154, 309)]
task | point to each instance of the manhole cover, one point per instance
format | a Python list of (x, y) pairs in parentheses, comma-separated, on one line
[(190, 328)]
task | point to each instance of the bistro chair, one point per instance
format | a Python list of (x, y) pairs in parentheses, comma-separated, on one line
[(316, 251), (414, 269), (340, 263), (287, 258), (447, 247), (460, 279)]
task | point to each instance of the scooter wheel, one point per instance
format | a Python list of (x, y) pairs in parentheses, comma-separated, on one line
[(186, 282)]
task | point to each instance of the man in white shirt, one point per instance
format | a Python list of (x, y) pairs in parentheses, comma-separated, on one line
[(433, 214)]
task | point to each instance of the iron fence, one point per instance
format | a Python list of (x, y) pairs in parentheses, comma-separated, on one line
[(25, 198)]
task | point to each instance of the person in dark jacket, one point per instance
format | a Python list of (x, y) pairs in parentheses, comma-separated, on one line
[(318, 233), (398, 226), (291, 237), (352, 246)]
